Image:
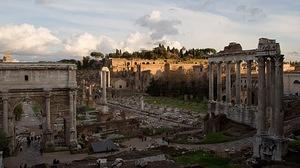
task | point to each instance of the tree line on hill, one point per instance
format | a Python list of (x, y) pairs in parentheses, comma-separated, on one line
[(162, 52), (94, 61)]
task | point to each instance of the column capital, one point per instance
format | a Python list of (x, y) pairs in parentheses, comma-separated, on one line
[(4, 95), (47, 94), (278, 60), (238, 61), (261, 61)]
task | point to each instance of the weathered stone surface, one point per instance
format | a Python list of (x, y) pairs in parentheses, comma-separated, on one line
[(268, 124), (51, 86)]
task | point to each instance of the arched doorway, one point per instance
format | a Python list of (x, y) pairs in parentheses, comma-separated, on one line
[(51, 86), (28, 124)]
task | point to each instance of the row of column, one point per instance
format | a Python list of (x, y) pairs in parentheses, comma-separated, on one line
[(228, 82), (270, 92)]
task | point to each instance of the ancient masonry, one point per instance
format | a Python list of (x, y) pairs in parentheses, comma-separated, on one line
[(105, 83), (270, 143), (51, 86)]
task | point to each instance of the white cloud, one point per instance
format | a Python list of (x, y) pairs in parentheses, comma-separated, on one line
[(81, 45), (159, 27), (26, 38), (137, 41)]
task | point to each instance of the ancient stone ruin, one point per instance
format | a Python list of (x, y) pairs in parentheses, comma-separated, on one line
[(268, 114), (52, 86)]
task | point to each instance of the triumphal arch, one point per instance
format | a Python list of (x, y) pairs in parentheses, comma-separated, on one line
[(50, 85), (267, 116)]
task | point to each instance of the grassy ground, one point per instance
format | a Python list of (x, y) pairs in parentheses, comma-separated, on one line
[(216, 137), (204, 160), (295, 145), (178, 103)]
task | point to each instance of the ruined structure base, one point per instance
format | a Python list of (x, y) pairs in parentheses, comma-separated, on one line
[(103, 109), (270, 148), (214, 123)]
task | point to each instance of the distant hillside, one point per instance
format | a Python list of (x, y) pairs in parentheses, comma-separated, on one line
[(161, 52)]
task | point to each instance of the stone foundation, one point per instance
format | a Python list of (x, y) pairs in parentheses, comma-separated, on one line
[(270, 148)]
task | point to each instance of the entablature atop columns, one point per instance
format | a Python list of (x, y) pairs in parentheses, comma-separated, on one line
[(232, 58)]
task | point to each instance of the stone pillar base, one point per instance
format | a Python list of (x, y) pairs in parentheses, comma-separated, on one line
[(270, 148), (103, 108), (256, 146), (73, 140), (48, 141)]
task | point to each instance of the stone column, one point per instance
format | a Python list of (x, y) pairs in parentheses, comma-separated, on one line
[(278, 112), (73, 138), (101, 79), (238, 83), (270, 91), (142, 103), (104, 87), (90, 91), (219, 86), (272, 95), (83, 93), (249, 83), (48, 113), (5, 112), (108, 79), (211, 87), (71, 108), (75, 112), (261, 115), (228, 83)]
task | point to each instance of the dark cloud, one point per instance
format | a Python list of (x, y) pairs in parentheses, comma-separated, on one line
[(159, 27), (250, 13)]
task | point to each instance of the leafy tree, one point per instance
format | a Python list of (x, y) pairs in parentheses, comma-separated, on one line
[(97, 55), (4, 143), (18, 111)]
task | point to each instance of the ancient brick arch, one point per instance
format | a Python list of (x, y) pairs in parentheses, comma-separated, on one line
[(52, 87)]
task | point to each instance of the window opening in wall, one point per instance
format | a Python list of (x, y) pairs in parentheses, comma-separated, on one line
[(26, 77)]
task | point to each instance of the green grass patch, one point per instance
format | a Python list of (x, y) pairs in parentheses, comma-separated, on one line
[(295, 145), (85, 108), (178, 103), (216, 137), (203, 159)]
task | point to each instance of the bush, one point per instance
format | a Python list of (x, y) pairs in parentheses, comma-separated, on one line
[(295, 145), (18, 112)]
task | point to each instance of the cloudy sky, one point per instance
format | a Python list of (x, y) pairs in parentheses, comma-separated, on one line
[(55, 29)]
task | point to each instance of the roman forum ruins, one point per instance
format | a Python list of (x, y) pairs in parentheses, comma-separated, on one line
[(270, 143), (51, 86), (104, 83)]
